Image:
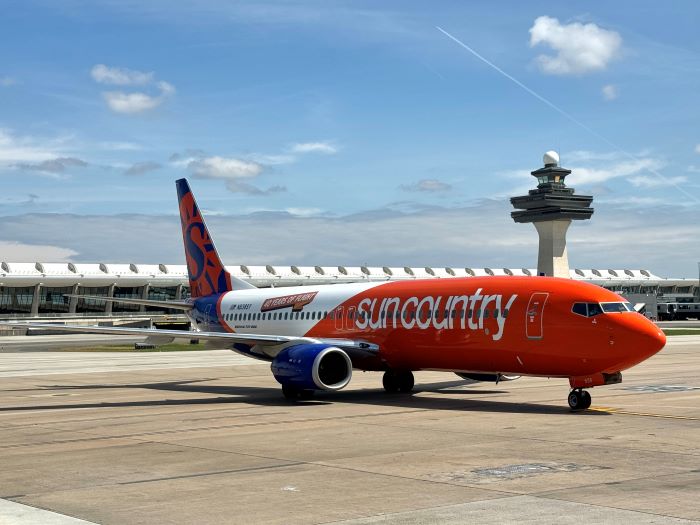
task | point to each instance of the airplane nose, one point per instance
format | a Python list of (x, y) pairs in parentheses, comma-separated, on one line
[(650, 339)]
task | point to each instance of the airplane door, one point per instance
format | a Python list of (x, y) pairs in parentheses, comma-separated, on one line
[(339, 318), (352, 314), (534, 328)]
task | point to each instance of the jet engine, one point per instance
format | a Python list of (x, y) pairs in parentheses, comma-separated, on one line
[(312, 367), (492, 378)]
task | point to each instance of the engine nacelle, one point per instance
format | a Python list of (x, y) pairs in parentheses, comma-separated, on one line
[(492, 378), (312, 367)]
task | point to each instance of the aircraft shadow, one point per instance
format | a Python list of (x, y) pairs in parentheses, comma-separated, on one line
[(272, 397)]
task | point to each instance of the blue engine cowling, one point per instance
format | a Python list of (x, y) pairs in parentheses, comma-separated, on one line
[(312, 367)]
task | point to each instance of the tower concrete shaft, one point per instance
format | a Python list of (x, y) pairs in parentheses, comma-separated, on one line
[(552, 259)]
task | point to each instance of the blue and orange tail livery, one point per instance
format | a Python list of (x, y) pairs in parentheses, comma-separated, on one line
[(206, 272)]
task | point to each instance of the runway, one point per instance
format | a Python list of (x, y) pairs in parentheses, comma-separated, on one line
[(205, 437)]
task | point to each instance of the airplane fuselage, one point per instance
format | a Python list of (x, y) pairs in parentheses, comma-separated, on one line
[(512, 325)]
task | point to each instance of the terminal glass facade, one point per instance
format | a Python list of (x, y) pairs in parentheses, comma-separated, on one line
[(16, 300), (53, 300), (92, 305)]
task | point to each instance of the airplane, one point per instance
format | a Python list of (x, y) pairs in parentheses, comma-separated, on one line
[(495, 328)]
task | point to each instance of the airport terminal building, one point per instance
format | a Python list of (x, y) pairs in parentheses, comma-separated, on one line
[(30, 290)]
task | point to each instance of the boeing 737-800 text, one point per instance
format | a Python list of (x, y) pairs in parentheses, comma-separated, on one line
[(483, 328)]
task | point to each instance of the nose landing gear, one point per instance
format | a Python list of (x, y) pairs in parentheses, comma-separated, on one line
[(579, 399), (398, 381)]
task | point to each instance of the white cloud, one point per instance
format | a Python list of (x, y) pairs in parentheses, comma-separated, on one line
[(697, 148), (304, 212), (235, 172), (224, 168), (19, 252), (17, 149), (120, 76), (272, 160), (609, 92), (7, 81), (644, 181), (583, 175), (580, 48), (427, 186), (131, 102), (314, 147)]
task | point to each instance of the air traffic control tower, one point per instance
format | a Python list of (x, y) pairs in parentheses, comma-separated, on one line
[(551, 207)]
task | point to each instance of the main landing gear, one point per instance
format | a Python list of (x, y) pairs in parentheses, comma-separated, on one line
[(398, 381), (579, 399)]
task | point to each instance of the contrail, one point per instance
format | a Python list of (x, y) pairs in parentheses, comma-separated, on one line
[(565, 114)]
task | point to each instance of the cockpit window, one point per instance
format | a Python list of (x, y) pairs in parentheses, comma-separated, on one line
[(580, 309), (594, 309), (587, 309), (617, 307)]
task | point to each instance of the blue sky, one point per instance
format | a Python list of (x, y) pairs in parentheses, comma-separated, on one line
[(347, 132)]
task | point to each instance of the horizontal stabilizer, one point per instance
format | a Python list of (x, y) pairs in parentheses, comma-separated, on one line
[(174, 305)]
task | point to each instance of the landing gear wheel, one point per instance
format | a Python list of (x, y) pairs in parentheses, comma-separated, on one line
[(390, 382), (579, 400), (406, 381), (398, 381), (293, 393), (586, 399)]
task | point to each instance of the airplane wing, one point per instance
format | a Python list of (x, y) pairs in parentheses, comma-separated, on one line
[(258, 345), (174, 305)]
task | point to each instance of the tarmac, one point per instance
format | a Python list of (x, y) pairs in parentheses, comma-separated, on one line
[(206, 437)]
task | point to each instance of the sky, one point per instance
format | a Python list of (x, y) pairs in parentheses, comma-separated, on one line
[(348, 133)]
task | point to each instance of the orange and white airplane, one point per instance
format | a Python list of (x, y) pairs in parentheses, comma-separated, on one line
[(482, 328)]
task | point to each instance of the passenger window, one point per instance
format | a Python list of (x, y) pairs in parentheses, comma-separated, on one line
[(505, 313), (495, 314), (486, 314), (580, 309)]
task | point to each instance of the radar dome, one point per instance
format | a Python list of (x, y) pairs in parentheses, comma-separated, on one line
[(551, 157)]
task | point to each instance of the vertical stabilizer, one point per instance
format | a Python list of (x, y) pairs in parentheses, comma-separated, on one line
[(206, 272)]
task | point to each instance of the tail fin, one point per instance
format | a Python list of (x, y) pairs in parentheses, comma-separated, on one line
[(206, 272)]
